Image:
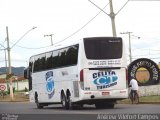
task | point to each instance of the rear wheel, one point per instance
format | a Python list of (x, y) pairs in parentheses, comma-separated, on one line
[(69, 104), (39, 105), (63, 100)]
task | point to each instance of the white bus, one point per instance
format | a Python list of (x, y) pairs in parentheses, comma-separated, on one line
[(90, 71)]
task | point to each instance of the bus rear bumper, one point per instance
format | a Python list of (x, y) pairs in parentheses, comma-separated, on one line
[(113, 94)]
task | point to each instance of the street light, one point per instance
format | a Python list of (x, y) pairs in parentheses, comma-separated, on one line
[(23, 36), (9, 59), (130, 51)]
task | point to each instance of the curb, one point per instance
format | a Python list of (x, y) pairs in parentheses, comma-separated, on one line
[(15, 101), (140, 103), (149, 103)]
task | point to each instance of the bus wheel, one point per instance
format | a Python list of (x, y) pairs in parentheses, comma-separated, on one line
[(63, 100), (39, 105), (68, 103)]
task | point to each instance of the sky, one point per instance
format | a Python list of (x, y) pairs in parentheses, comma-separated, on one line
[(75, 19)]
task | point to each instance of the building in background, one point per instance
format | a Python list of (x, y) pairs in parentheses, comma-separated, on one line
[(19, 82)]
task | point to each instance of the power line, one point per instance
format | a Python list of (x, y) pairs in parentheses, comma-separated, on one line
[(146, 54), (145, 49), (15, 60), (32, 48), (122, 7), (147, 57), (78, 30), (111, 15), (101, 10), (83, 25), (144, 0), (22, 37), (2, 45)]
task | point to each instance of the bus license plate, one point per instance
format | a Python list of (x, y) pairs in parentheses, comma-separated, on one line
[(105, 93)]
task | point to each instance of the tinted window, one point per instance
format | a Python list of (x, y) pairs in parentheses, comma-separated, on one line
[(65, 57), (59, 58), (49, 60), (103, 48), (39, 63), (31, 60), (30, 72), (72, 55), (62, 57), (55, 57)]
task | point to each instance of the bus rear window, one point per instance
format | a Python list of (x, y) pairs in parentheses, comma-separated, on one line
[(103, 48)]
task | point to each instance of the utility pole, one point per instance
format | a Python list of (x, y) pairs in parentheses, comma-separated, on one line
[(130, 49), (9, 65), (112, 16), (50, 35), (9, 75)]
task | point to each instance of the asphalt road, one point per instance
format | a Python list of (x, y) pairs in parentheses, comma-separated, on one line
[(28, 111)]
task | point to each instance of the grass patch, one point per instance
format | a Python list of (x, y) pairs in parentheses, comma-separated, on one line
[(150, 99), (146, 99)]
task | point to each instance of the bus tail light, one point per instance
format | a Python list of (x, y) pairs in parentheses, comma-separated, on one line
[(126, 77), (81, 80)]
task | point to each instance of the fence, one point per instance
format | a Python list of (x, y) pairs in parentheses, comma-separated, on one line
[(149, 90)]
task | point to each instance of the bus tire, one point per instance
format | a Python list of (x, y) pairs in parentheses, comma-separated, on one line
[(63, 100), (39, 105), (68, 103)]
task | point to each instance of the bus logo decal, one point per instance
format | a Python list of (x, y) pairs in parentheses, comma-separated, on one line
[(50, 84), (105, 79)]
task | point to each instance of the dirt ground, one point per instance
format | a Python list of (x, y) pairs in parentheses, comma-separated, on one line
[(18, 97)]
